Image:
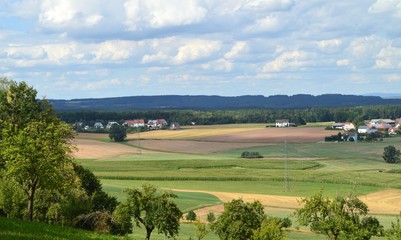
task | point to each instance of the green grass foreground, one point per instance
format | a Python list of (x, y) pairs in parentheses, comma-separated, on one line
[(23, 230)]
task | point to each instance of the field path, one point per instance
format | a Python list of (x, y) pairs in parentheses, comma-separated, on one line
[(382, 202)]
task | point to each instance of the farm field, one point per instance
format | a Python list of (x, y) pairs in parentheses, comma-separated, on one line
[(202, 165)]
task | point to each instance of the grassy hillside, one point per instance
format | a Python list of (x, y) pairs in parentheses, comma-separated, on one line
[(23, 230)]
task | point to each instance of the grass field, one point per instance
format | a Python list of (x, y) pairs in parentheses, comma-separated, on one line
[(204, 161)]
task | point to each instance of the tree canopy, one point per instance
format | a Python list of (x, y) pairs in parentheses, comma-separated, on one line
[(340, 218), (391, 154), (117, 133), (36, 145), (154, 210)]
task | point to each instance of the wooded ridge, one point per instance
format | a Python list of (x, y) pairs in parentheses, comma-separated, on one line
[(220, 102)]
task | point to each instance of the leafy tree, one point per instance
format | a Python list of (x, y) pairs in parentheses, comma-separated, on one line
[(341, 218), (239, 220), (117, 133), (270, 229), (395, 232), (191, 216), (121, 220), (210, 217), (201, 229), (35, 145), (154, 210), (391, 154)]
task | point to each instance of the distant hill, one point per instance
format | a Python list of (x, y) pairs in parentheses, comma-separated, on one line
[(219, 102)]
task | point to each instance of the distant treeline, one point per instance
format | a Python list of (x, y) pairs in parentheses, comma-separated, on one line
[(209, 117)]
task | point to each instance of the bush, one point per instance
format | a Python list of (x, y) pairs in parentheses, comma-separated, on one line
[(247, 154), (391, 154), (210, 217), (191, 216), (95, 221)]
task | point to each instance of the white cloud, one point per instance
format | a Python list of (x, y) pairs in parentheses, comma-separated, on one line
[(389, 57), (236, 50), (330, 45), (195, 50), (57, 12), (386, 6), (267, 24), (160, 13), (268, 5), (221, 65), (115, 50), (287, 60), (103, 84), (160, 56), (393, 78), (342, 62)]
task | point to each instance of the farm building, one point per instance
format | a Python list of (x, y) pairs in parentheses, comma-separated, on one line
[(175, 125), (282, 123), (109, 124), (98, 125), (135, 123)]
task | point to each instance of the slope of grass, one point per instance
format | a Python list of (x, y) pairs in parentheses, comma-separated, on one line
[(23, 230)]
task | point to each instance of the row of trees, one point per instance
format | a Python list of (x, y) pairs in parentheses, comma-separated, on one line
[(208, 117)]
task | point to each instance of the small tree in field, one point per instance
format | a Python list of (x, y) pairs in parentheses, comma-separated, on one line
[(391, 154), (117, 133), (191, 216), (154, 210), (340, 218)]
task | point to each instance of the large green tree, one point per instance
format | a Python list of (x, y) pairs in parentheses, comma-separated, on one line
[(154, 210), (340, 218), (35, 145), (391, 154), (117, 133), (239, 220)]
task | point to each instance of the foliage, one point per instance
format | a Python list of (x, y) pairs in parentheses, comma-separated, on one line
[(95, 221), (35, 144), (100, 200), (210, 217), (239, 220), (270, 229), (154, 210), (191, 216), (201, 229), (391, 154), (334, 138), (117, 133), (121, 220), (247, 154), (340, 218), (395, 232), (12, 199)]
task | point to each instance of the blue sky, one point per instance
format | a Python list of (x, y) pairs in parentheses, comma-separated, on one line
[(105, 48)]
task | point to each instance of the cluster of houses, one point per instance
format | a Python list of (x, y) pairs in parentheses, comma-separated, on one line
[(375, 125), (138, 123)]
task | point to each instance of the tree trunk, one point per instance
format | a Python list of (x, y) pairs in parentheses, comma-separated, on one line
[(148, 232), (31, 198)]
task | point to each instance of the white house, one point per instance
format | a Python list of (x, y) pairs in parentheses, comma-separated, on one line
[(348, 126), (366, 129), (282, 123), (98, 125), (135, 123), (109, 124)]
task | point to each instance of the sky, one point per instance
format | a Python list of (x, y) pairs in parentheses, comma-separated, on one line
[(70, 49)]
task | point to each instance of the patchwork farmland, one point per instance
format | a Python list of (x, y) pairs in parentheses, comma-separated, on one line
[(202, 165)]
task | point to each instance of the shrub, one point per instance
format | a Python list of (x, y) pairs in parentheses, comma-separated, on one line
[(191, 216), (247, 154)]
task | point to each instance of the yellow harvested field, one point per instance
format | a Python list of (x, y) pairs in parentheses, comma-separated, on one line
[(235, 133), (94, 149), (192, 133), (382, 202), (188, 146)]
